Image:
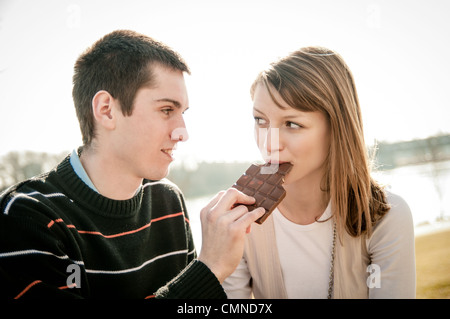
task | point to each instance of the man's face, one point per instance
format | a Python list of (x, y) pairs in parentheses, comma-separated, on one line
[(143, 142)]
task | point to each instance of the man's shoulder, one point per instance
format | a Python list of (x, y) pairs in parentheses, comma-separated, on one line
[(30, 191), (164, 196), (163, 185)]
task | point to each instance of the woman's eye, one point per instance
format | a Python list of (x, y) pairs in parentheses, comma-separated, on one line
[(260, 121), (293, 125)]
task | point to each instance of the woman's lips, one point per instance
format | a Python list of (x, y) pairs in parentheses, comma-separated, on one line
[(274, 162)]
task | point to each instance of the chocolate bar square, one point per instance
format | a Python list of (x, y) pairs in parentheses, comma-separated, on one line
[(264, 183)]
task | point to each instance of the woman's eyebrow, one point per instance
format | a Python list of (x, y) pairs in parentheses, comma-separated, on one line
[(255, 109), (290, 116), (293, 116)]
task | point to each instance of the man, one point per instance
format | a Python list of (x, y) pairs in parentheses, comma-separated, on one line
[(105, 223)]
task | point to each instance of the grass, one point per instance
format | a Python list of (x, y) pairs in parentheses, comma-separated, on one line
[(433, 265)]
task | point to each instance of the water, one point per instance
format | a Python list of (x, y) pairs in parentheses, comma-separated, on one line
[(425, 187)]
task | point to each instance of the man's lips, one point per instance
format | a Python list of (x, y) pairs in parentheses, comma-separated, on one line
[(167, 151)]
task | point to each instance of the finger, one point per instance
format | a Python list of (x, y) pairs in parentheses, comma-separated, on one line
[(231, 197), (205, 211), (246, 220), (234, 214)]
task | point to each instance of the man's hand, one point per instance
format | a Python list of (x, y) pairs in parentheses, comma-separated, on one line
[(224, 226)]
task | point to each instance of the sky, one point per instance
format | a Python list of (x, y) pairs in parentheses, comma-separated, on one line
[(398, 52)]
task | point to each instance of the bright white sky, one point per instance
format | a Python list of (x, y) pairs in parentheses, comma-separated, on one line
[(398, 52)]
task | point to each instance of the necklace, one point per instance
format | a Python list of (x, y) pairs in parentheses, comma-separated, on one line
[(333, 251)]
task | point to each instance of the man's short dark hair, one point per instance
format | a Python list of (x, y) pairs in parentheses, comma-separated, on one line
[(119, 63)]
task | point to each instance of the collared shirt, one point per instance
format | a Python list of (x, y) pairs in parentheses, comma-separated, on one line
[(79, 170)]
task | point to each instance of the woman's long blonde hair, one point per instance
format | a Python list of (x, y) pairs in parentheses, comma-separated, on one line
[(317, 79)]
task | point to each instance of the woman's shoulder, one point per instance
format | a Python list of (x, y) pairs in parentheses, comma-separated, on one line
[(397, 221), (397, 203), (399, 208)]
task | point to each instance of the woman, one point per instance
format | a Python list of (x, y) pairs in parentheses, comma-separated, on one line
[(337, 233)]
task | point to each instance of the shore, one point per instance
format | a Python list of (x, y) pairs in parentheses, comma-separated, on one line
[(429, 228), (433, 261)]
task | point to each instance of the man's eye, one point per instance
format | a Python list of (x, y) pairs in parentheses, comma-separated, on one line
[(167, 111)]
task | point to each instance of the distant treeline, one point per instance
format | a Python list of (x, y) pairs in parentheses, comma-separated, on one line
[(431, 149), (207, 178), (18, 166)]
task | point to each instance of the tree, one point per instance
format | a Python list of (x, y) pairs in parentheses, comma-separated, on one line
[(18, 166)]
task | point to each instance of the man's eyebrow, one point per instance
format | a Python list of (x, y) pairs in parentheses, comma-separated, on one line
[(174, 102)]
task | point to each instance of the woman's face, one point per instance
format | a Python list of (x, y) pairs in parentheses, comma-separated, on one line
[(290, 135)]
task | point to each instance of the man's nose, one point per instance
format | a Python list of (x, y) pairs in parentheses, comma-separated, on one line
[(179, 134)]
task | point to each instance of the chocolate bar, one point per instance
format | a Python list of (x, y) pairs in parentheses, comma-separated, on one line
[(263, 182)]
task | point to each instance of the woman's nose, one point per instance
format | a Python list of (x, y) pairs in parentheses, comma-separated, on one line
[(268, 140)]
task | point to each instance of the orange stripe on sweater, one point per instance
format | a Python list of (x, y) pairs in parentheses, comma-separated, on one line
[(59, 220), (27, 288), (34, 283), (66, 287)]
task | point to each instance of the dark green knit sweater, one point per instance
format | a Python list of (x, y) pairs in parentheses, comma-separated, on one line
[(61, 239)]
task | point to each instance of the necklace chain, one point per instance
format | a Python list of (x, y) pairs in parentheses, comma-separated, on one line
[(333, 251)]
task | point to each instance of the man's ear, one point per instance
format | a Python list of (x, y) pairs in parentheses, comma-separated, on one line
[(103, 107)]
